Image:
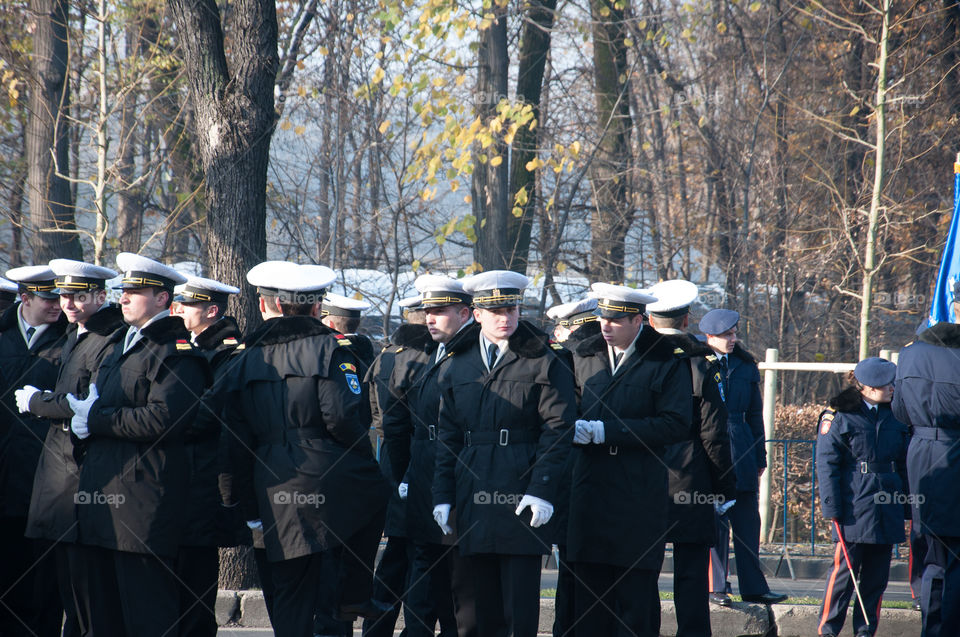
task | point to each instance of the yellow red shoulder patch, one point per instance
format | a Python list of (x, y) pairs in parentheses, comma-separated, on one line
[(183, 344), (230, 341)]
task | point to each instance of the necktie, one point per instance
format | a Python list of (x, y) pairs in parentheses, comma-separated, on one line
[(616, 359), (130, 336), (492, 351), (873, 414), (441, 350), (724, 368), (30, 332)]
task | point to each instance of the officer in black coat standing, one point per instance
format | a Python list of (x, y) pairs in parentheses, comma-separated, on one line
[(410, 428), (573, 322), (926, 397), (507, 406), (344, 314), (31, 341), (741, 386), (700, 468), (134, 476), (202, 304), (634, 402), (861, 470), (52, 516), (302, 465)]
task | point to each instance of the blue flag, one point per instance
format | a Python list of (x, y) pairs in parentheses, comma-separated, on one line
[(941, 307)]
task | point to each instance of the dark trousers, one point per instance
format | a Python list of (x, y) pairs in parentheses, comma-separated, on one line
[(266, 579), (429, 591), (68, 596), (691, 598), (743, 519), (940, 594), (129, 593), (326, 618), (871, 566), (389, 587), (497, 595), (918, 551), (616, 601), (565, 609), (299, 583), (198, 570), (29, 592)]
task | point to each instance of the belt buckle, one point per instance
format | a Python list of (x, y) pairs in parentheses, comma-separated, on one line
[(466, 438), (431, 432), (864, 467), (614, 450), (64, 427), (504, 437)]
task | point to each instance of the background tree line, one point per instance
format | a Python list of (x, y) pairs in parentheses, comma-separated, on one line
[(733, 143)]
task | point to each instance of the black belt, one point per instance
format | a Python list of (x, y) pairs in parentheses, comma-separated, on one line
[(299, 433), (425, 433), (503, 437), (936, 433), (877, 467)]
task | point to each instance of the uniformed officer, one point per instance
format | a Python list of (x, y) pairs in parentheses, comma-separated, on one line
[(8, 294), (302, 464), (573, 322), (926, 398), (635, 401), (133, 478), (700, 469), (410, 427), (52, 516), (202, 304), (343, 314), (391, 576), (741, 386), (507, 406), (861, 468), (31, 340)]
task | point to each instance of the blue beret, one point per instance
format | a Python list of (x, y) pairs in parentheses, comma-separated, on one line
[(875, 372), (718, 321)]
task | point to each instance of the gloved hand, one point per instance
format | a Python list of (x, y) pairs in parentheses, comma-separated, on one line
[(402, 489), (541, 509), (441, 513), (255, 525), (82, 407), (581, 432), (722, 507), (23, 396), (597, 432)]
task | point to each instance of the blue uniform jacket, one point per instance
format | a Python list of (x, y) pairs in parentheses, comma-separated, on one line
[(861, 469), (927, 398), (745, 418)]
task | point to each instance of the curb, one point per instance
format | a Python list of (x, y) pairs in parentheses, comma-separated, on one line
[(246, 609)]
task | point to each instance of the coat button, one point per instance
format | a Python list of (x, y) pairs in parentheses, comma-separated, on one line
[(545, 478)]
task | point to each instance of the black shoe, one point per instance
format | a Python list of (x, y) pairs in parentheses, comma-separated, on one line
[(721, 599), (765, 598), (916, 605), (370, 609)]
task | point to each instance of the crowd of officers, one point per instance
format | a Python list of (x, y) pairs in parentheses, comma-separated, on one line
[(139, 438)]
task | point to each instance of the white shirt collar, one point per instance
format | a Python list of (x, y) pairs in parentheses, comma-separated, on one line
[(134, 333), (442, 347), (22, 322), (869, 406)]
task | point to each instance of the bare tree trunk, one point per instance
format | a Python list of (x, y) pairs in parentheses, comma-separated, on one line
[(489, 188), (48, 137)]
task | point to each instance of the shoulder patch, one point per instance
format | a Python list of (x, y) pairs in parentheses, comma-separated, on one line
[(183, 344), (555, 345), (348, 367), (343, 341), (711, 357), (677, 351), (826, 419), (241, 346), (230, 341)]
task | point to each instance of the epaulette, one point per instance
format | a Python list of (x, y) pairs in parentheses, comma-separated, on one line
[(711, 357), (230, 341), (342, 340), (183, 344), (678, 351), (348, 367), (555, 345), (826, 419), (241, 346)]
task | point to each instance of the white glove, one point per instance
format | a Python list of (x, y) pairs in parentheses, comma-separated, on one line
[(541, 509), (722, 508), (441, 513), (82, 407), (581, 432), (23, 396), (597, 431), (402, 489), (255, 525)]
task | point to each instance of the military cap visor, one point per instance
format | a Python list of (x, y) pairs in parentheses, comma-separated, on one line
[(440, 298), (578, 319), (42, 289), (138, 279)]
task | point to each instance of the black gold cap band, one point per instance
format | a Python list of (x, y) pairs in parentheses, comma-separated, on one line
[(191, 294), (498, 297), (69, 284), (441, 297)]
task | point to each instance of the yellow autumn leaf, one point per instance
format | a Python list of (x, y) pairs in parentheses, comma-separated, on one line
[(561, 267), (301, 91), (286, 125), (496, 161), (377, 75), (384, 126), (415, 265), (300, 130)]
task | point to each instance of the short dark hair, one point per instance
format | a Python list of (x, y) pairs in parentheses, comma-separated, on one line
[(221, 307), (296, 309), (344, 324), (669, 322)]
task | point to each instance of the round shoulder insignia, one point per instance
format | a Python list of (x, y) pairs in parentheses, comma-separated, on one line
[(826, 419)]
